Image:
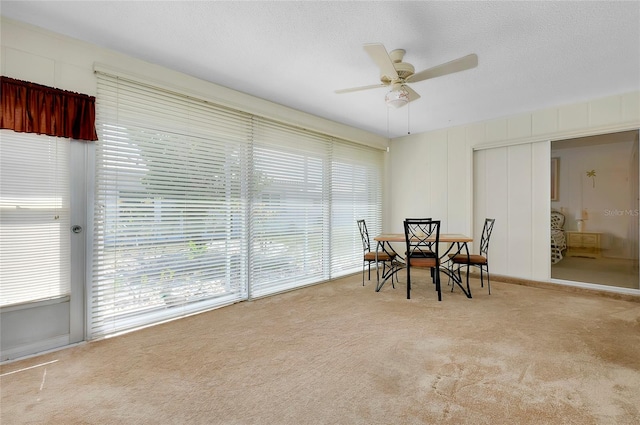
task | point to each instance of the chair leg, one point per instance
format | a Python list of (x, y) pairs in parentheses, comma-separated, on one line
[(408, 282), (459, 277), (436, 271), (385, 273), (391, 271), (488, 280), (393, 285), (451, 271), (363, 265)]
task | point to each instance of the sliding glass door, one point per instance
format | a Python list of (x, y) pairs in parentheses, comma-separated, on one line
[(198, 206)]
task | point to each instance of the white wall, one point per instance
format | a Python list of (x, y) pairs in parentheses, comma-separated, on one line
[(511, 182), (36, 55), (431, 177)]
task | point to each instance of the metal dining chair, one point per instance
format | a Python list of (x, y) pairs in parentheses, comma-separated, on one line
[(422, 238), (480, 260), (384, 256)]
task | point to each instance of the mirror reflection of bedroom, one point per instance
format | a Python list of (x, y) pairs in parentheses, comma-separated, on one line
[(595, 213)]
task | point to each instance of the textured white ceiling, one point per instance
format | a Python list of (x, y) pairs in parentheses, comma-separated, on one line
[(531, 54)]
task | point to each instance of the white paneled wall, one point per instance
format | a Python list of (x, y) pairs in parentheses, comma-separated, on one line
[(430, 177), (499, 169), (540, 218), (459, 192), (509, 185), (490, 172), (519, 209)]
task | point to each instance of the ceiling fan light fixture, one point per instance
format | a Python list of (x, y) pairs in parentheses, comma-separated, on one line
[(397, 98)]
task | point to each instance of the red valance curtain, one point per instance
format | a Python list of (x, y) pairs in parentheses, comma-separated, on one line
[(33, 108)]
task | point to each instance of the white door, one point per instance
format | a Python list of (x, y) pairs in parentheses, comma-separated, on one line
[(42, 260), (511, 184)]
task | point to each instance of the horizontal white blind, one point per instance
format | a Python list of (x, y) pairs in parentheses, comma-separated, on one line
[(171, 203), (196, 205), (34, 217), (356, 193), (290, 208)]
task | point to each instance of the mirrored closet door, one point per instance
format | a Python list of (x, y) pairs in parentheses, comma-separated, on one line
[(595, 210)]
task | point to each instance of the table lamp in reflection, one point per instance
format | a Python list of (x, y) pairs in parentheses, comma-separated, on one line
[(581, 217)]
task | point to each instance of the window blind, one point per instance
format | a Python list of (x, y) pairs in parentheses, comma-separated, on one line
[(290, 208), (170, 225), (356, 193), (197, 205), (34, 217)]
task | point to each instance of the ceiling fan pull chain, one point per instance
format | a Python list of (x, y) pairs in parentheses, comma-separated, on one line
[(387, 122)]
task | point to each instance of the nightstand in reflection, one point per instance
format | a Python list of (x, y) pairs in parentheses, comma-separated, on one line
[(583, 244)]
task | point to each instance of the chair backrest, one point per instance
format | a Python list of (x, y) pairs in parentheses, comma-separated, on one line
[(557, 220), (486, 234), (422, 237), (421, 218), (364, 234)]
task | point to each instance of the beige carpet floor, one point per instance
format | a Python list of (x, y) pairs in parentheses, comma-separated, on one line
[(340, 353)]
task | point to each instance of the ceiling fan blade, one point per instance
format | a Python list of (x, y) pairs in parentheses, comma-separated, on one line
[(352, 89), (380, 56), (412, 93), (456, 65)]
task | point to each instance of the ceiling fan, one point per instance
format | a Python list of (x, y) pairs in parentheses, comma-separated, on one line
[(398, 74)]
